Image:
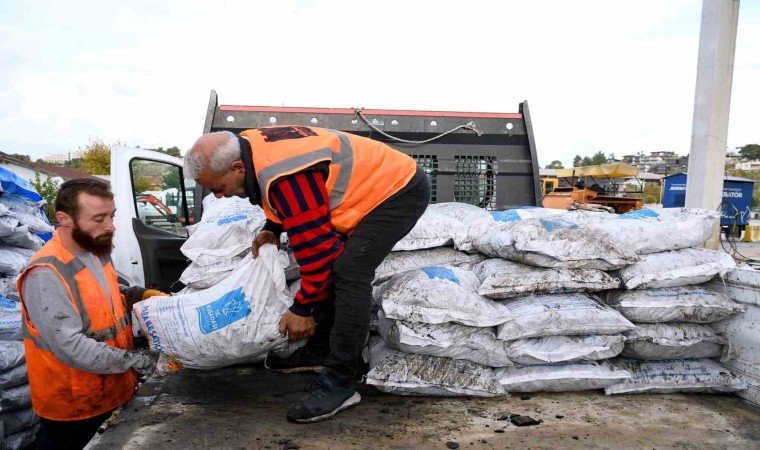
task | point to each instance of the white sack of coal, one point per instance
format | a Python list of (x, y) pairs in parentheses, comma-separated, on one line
[(13, 260), (465, 236), (555, 243), (554, 349), (226, 230), (18, 420), (694, 304), (676, 268), (675, 375), (449, 340), (560, 377), (433, 229), (232, 322), (502, 279), (21, 439), (403, 261), (438, 295), (22, 237), (657, 341), (402, 373), (203, 277), (13, 377), (463, 212), (10, 320), (27, 212), (14, 398), (11, 354), (647, 231), (560, 315), (8, 288)]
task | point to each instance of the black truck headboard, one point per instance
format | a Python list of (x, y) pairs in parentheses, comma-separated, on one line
[(489, 160)]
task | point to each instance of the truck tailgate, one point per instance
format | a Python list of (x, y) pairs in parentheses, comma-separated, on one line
[(244, 407)]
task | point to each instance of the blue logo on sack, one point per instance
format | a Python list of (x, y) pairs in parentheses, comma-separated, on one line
[(230, 308), (552, 225), (441, 273), (640, 214), (509, 215), (227, 220)]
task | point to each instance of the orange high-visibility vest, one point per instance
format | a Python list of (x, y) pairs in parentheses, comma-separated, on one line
[(362, 172), (61, 392)]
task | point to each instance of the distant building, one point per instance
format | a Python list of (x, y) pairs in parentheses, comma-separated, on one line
[(661, 163), (61, 158), (747, 165), (26, 169)]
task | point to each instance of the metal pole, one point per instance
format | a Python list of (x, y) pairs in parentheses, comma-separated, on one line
[(715, 68)]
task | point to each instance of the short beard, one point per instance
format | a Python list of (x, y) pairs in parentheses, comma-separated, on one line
[(99, 246)]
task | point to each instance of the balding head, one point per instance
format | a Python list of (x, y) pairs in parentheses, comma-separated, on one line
[(213, 153)]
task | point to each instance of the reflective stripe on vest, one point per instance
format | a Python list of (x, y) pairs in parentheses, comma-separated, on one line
[(343, 160), (69, 270)]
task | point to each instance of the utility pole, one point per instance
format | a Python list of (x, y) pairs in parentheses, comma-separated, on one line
[(712, 101)]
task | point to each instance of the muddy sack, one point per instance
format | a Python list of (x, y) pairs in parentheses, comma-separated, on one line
[(433, 229), (647, 231), (693, 304), (198, 276), (19, 420), (560, 315), (14, 259), (226, 230), (449, 340), (21, 439), (675, 375), (502, 279), (675, 341), (400, 373), (11, 354), (465, 236), (232, 322), (555, 243), (13, 377), (554, 349), (403, 261), (10, 320), (560, 377), (436, 295), (463, 212), (14, 398), (676, 268)]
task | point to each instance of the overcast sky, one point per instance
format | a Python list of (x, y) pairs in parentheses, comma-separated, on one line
[(611, 76)]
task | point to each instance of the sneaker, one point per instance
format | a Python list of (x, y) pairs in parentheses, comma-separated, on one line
[(325, 398), (302, 360)]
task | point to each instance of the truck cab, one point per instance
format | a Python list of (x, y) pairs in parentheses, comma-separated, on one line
[(154, 207)]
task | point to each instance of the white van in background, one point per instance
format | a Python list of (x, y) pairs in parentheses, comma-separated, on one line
[(154, 206)]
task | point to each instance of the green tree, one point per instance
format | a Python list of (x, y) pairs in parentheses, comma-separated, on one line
[(48, 189), (556, 164), (577, 161), (171, 151), (96, 158), (586, 161), (751, 151), (598, 158), (20, 156)]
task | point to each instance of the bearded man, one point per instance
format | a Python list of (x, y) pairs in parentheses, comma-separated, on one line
[(77, 333)]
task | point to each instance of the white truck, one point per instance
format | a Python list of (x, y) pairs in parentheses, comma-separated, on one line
[(244, 406)]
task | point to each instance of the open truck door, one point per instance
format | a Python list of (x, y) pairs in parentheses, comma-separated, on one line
[(149, 235)]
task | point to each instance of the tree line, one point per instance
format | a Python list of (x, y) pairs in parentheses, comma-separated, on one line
[(750, 152)]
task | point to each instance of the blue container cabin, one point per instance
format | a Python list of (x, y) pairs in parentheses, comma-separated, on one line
[(737, 198)]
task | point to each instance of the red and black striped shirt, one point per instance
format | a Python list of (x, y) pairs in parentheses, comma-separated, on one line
[(303, 205)]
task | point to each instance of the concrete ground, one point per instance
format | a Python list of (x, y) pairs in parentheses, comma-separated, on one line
[(244, 408)]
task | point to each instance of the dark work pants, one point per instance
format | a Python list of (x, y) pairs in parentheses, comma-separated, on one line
[(68, 435), (353, 272)]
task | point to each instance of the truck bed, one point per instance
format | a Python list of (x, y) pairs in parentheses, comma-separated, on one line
[(244, 407)]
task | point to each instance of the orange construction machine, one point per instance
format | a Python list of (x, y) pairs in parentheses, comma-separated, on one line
[(591, 187)]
